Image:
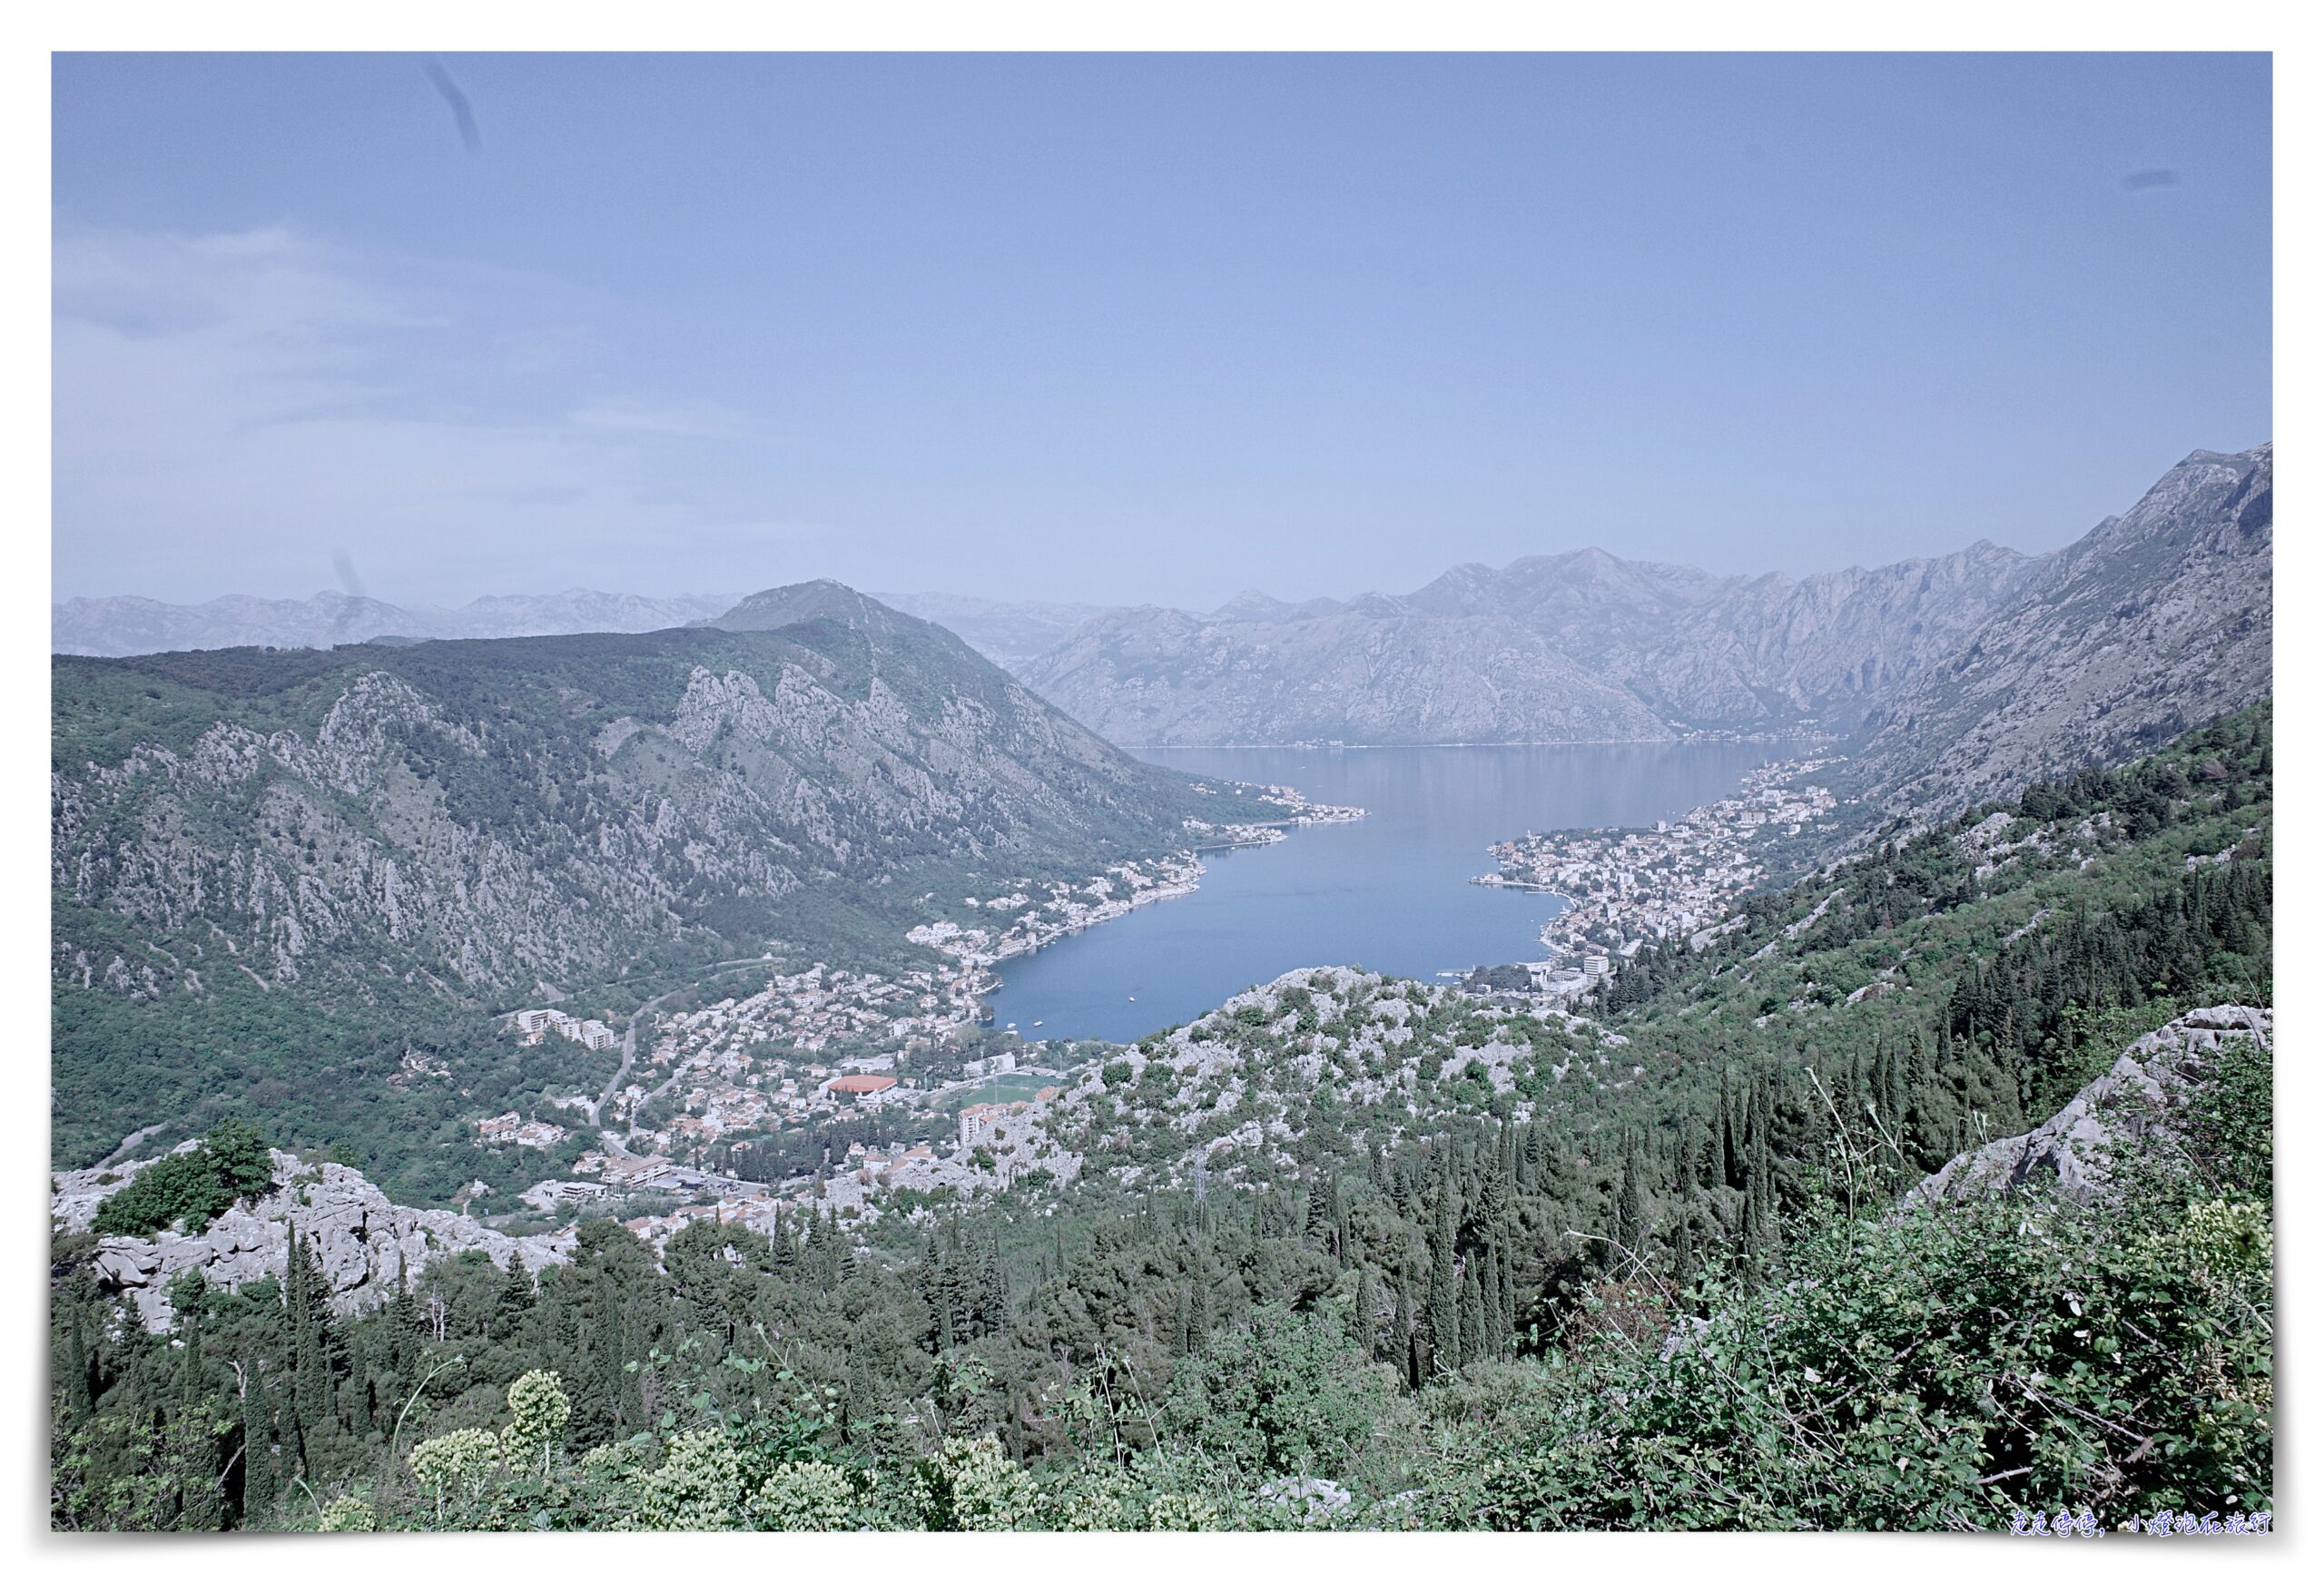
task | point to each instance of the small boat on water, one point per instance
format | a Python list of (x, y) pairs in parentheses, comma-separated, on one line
[(1037, 1022), (1133, 999)]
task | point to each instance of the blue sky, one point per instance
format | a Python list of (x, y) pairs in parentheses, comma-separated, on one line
[(1126, 329)]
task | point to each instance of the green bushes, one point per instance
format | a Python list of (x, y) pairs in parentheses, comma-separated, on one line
[(194, 1188)]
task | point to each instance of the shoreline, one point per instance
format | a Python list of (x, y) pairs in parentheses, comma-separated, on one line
[(1182, 875), (1804, 737), (1679, 879)]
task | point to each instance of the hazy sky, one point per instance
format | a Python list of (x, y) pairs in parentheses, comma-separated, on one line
[(1130, 328)]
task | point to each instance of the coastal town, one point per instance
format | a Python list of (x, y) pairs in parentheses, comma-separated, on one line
[(880, 1063), (1677, 881)]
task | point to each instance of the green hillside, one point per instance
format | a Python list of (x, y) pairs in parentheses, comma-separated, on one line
[(1644, 1269)]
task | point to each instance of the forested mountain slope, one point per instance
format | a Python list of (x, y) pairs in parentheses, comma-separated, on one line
[(377, 834)]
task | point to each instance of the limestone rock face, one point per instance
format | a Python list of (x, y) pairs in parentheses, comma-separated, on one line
[(2136, 1107), (2150, 625), (363, 1245), (1578, 647), (1374, 674), (470, 824)]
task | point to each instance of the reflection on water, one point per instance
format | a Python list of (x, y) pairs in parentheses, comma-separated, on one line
[(1389, 892)]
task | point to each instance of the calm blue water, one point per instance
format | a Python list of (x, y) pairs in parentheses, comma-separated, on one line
[(1389, 892)]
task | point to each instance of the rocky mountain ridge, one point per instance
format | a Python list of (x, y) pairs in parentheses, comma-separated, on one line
[(1984, 657), (532, 809), (2154, 621), (372, 834)]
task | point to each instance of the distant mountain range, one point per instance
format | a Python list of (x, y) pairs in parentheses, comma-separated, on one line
[(1965, 675), (1961, 673), (1011, 632), (126, 624), (1580, 646)]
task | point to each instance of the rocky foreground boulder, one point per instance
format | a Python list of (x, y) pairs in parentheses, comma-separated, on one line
[(364, 1246), (2136, 1108)]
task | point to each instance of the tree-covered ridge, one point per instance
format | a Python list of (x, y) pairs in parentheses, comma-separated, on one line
[(1975, 972), (1668, 1287)]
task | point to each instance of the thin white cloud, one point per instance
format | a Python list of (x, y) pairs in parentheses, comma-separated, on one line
[(232, 411), (679, 419)]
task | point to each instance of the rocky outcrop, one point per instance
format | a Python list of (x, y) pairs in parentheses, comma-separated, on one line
[(364, 1246), (2136, 1108)]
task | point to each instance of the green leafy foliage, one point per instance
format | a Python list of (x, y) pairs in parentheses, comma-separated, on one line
[(194, 1188)]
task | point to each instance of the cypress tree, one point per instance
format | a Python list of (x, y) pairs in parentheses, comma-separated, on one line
[(1472, 1317), (1495, 1336), (258, 1449), (1404, 1341), (311, 1370), (1365, 1330), (202, 1502), (80, 1398), (1508, 1296), (513, 1303), (1443, 1274)]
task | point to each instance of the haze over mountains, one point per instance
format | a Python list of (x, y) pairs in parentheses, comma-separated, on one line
[(128, 624), (1008, 633), (1962, 672), (1967, 674)]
